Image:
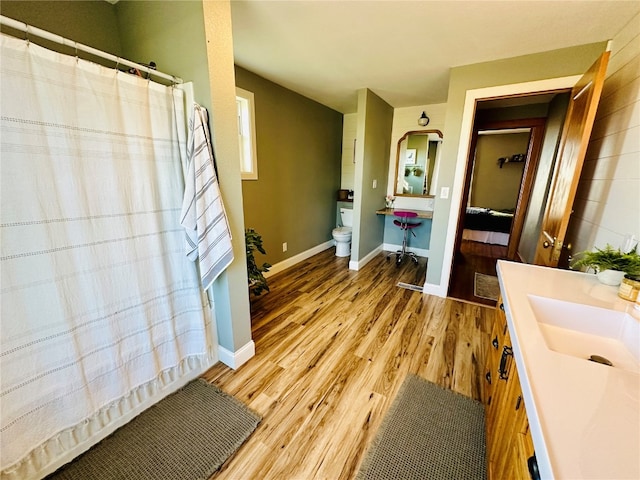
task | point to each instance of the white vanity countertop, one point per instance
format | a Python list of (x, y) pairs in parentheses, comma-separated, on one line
[(584, 417)]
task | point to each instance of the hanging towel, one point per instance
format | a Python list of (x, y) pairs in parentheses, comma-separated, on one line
[(208, 235)]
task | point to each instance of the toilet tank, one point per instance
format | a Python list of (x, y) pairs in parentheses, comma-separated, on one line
[(346, 214)]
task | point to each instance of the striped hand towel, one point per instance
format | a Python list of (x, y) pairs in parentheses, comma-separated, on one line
[(208, 235)]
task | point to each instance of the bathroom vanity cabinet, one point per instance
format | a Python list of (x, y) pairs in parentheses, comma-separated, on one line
[(582, 416), (509, 442)]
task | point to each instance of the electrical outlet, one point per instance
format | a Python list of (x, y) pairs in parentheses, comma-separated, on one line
[(284, 247), (444, 192)]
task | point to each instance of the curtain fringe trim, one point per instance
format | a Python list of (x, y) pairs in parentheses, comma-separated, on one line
[(88, 432)]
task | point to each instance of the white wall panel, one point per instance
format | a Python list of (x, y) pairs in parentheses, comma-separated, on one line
[(607, 206)]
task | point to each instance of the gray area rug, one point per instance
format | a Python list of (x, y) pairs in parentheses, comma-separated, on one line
[(186, 436), (429, 433), (486, 286)]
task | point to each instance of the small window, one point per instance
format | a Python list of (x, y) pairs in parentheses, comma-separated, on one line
[(247, 134)]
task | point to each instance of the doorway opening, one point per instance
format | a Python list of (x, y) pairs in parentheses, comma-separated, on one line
[(508, 137)]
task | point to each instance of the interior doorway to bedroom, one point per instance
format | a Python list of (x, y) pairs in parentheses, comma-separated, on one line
[(506, 144)]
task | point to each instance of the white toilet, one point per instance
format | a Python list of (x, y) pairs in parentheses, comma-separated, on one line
[(342, 235)]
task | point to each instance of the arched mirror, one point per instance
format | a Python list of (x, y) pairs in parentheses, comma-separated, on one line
[(417, 163)]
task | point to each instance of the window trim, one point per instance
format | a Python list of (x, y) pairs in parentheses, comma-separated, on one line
[(247, 98)]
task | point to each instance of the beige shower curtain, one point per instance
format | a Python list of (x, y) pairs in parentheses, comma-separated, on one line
[(102, 314)]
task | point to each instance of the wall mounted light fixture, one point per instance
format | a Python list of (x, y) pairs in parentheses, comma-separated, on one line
[(423, 121)]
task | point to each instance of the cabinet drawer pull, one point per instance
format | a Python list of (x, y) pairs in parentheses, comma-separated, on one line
[(518, 402), (534, 472), (488, 377), (494, 342), (502, 370)]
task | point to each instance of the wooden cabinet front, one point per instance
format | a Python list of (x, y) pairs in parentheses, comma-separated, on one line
[(509, 443)]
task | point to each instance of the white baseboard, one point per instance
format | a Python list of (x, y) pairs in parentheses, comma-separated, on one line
[(433, 289), (238, 358), (358, 264), (291, 261), (390, 247)]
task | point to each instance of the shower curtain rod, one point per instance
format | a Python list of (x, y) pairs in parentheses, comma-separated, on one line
[(38, 32)]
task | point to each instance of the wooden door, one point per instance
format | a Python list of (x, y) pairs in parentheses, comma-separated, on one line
[(573, 147)]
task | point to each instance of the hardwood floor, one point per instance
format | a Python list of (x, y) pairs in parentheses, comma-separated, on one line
[(332, 348), (473, 257), (412, 274)]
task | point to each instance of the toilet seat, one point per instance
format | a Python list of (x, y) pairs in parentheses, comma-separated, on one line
[(342, 232)]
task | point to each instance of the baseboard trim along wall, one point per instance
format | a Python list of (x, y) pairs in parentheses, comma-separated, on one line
[(433, 289), (358, 264), (238, 358), (291, 261), (353, 265)]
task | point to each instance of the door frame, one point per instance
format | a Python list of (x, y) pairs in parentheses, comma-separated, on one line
[(537, 127), (466, 133)]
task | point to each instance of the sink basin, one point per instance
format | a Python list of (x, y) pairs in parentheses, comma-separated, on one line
[(584, 331)]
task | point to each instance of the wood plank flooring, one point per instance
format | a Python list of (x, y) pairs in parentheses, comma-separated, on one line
[(332, 349), (412, 274)]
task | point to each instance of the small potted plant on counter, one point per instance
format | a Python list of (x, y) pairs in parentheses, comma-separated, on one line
[(610, 264), (388, 201)]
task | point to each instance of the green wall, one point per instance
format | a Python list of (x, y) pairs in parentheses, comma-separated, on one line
[(527, 68), (298, 143), (373, 143), (494, 186), (170, 33), (230, 291), (89, 22)]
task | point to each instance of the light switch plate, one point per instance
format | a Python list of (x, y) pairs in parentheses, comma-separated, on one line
[(444, 192)]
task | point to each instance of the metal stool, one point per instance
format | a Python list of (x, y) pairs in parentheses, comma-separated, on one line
[(406, 226)]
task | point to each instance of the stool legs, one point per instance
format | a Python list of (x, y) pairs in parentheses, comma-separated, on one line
[(400, 254)]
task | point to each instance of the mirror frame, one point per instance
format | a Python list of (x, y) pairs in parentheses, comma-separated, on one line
[(395, 179)]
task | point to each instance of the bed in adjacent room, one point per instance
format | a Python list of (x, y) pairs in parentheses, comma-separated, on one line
[(487, 226)]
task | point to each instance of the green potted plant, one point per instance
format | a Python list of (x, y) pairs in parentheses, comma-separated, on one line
[(610, 264), (257, 282)]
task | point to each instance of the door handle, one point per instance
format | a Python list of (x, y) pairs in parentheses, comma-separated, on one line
[(534, 471), (550, 241)]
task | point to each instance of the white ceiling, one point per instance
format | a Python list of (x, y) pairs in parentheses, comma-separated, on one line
[(403, 50)]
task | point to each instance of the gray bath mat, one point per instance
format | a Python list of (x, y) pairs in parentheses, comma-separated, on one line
[(428, 433), (187, 435)]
